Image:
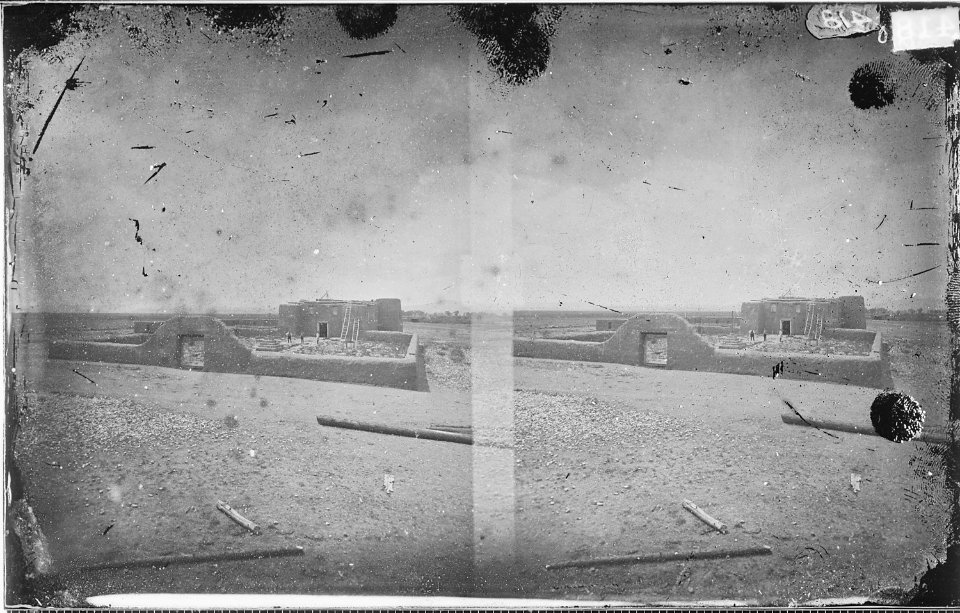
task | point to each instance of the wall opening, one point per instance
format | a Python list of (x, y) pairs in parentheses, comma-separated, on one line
[(322, 329), (785, 327), (653, 349), (190, 351)]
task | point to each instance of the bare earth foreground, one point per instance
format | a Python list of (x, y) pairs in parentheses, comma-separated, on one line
[(606, 473), (132, 467)]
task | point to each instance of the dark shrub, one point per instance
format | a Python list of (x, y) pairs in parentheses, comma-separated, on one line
[(896, 416)]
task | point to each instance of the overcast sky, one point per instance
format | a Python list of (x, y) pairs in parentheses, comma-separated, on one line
[(755, 176)]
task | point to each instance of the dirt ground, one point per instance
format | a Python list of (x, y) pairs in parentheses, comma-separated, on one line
[(132, 466), (604, 455), (607, 454)]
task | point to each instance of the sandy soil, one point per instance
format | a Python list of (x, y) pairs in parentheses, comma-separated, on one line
[(604, 455), (607, 453), (147, 452)]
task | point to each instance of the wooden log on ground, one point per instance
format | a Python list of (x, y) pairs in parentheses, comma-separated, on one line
[(432, 435), (240, 519), (657, 558), (195, 559), (704, 517), (836, 426)]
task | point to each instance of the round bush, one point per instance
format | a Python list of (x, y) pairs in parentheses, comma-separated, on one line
[(896, 416)]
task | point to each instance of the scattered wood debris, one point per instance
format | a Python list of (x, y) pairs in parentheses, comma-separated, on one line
[(240, 519), (704, 517)]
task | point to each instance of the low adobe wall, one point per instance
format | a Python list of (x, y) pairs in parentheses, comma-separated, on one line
[(404, 373), (398, 339), (386, 372), (716, 330), (867, 337), (558, 350), (687, 350), (245, 332), (595, 337), (223, 352), (866, 371), (610, 323)]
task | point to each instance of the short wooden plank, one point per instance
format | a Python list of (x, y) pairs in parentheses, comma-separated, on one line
[(704, 517), (240, 519)]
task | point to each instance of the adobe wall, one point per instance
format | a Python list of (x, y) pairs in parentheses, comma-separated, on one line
[(388, 314), (866, 371), (687, 350), (849, 334), (853, 312), (223, 352), (557, 350), (597, 337), (386, 372), (715, 330), (399, 339), (128, 339), (750, 317), (610, 323)]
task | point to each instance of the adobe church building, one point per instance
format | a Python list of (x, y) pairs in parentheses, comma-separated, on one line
[(326, 317), (792, 316)]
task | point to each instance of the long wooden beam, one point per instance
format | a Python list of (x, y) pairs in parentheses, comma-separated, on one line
[(430, 435), (824, 424), (194, 559), (656, 558)]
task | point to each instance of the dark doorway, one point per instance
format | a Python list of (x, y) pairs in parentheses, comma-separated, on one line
[(190, 352), (653, 349), (785, 327), (322, 329)]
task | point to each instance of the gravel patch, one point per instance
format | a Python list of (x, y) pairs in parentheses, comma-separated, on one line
[(448, 366), (545, 420), (103, 422)]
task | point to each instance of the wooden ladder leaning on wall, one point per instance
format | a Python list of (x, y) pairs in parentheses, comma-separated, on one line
[(356, 330), (345, 327), (808, 324)]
